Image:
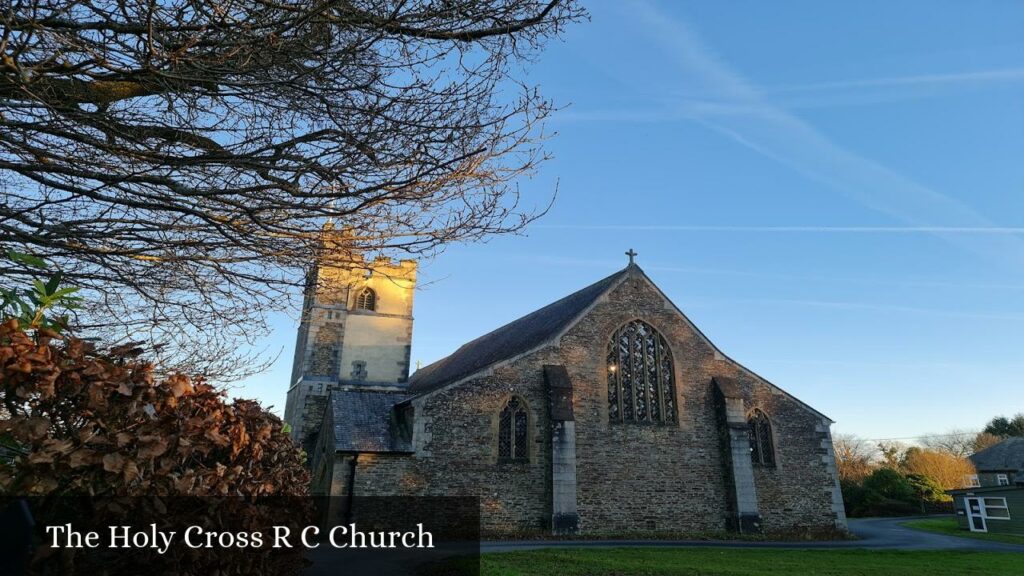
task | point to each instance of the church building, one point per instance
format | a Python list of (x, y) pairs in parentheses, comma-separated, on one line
[(606, 411)]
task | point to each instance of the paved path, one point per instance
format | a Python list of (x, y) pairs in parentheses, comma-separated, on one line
[(874, 533), (887, 533)]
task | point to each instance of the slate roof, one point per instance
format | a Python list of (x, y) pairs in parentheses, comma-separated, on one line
[(1007, 455), (511, 339), (362, 421)]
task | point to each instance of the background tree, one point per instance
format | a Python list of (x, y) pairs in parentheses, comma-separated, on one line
[(177, 159), (889, 483), (956, 442), (883, 492), (928, 489), (947, 470), (985, 440), (892, 453), (854, 457), (1004, 427)]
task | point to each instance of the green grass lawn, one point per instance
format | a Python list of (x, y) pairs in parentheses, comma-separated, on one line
[(735, 562), (949, 526)]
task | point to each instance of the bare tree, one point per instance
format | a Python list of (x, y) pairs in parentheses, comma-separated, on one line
[(854, 457), (958, 443), (178, 158)]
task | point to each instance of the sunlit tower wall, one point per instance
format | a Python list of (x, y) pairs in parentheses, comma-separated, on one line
[(355, 331)]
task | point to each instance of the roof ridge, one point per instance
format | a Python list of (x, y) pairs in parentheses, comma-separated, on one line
[(1008, 452), (503, 342), (999, 445), (527, 315)]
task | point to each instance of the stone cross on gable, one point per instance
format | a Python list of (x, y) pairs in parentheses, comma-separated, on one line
[(631, 255)]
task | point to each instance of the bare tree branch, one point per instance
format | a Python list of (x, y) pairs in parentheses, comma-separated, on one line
[(178, 158)]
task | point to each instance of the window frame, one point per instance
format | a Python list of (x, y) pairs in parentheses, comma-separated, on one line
[(985, 507), (371, 295), (521, 407), (1002, 480), (760, 424), (658, 375), (972, 481)]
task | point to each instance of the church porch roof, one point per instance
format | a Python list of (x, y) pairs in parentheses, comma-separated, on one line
[(362, 421)]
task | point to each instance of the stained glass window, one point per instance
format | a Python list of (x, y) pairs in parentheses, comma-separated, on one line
[(762, 449), (641, 384), (513, 432)]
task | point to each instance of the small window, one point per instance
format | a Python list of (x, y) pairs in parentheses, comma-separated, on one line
[(1002, 480), (971, 481), (762, 449), (996, 508), (366, 300), (359, 370), (513, 444)]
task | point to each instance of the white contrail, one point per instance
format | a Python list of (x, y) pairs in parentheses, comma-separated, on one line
[(999, 230), (950, 78), (778, 134), (608, 264), (843, 305)]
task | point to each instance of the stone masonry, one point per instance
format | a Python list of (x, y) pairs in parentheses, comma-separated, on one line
[(341, 345), (588, 474)]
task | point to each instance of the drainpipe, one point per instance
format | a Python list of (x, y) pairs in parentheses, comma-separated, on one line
[(350, 497)]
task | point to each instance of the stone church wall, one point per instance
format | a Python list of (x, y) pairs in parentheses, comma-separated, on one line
[(630, 477), (797, 492), (644, 477), (456, 453), (673, 478)]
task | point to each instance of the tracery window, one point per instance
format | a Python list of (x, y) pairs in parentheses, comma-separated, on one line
[(366, 300), (641, 385), (512, 432), (762, 449)]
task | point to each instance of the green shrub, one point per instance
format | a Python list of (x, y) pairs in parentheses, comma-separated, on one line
[(927, 489), (885, 492), (890, 484)]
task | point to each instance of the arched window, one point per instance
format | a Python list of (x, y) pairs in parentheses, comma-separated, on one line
[(641, 385), (366, 300), (512, 432), (762, 449)]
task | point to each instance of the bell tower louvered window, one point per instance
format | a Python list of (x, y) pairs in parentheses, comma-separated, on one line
[(366, 300), (513, 422), (641, 384), (762, 448)]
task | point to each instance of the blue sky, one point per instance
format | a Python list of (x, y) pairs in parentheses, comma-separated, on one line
[(833, 194)]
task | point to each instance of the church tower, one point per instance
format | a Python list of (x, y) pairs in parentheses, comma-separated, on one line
[(355, 332)]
